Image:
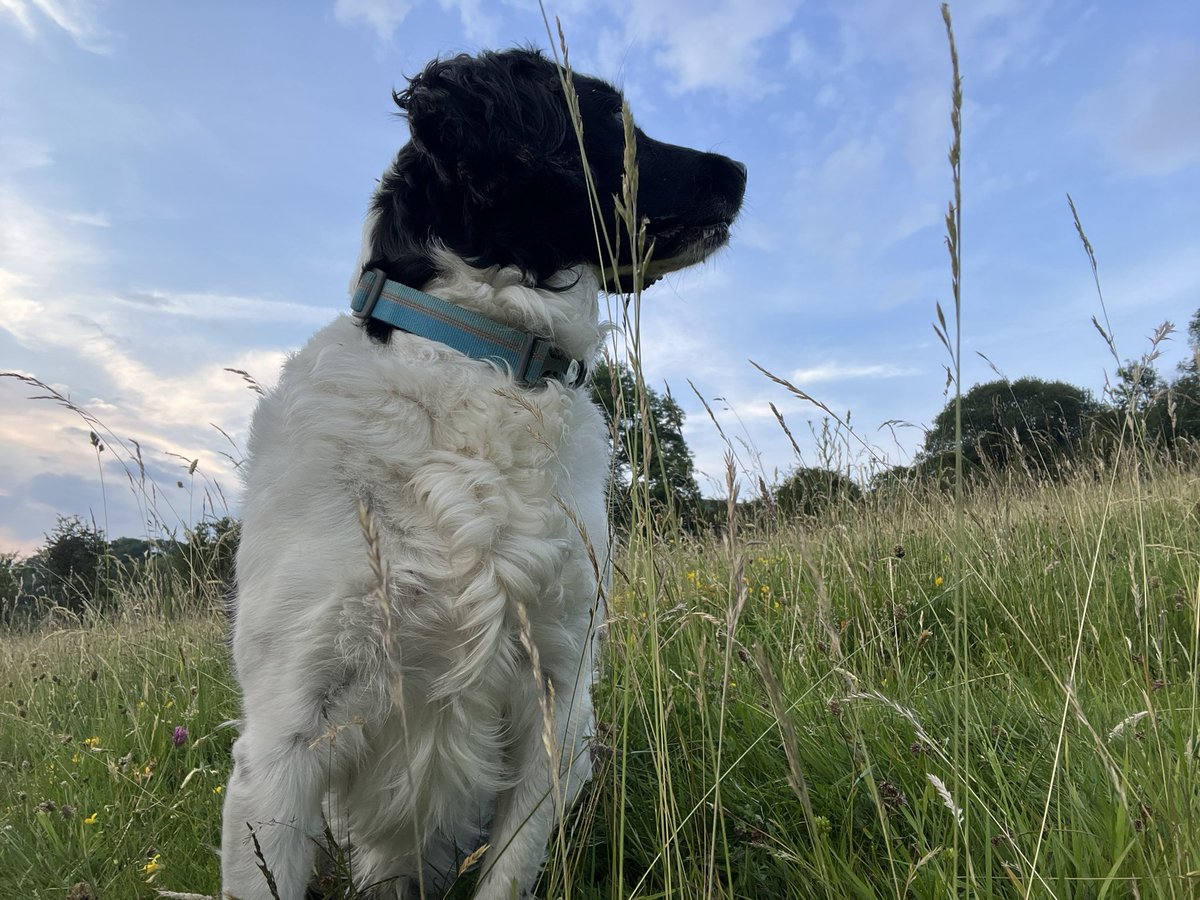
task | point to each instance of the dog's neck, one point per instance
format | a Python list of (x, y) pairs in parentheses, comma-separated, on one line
[(564, 309)]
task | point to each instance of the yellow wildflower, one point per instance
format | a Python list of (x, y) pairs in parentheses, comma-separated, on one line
[(92, 743), (938, 582), (218, 789), (152, 866), (91, 820)]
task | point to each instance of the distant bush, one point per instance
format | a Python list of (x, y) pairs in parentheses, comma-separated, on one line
[(811, 491)]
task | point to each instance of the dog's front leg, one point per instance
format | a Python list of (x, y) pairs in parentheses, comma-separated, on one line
[(526, 815), (274, 799)]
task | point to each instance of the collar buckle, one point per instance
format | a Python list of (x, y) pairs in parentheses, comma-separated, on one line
[(367, 294), (569, 371)]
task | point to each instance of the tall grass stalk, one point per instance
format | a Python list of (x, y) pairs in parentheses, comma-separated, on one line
[(962, 667)]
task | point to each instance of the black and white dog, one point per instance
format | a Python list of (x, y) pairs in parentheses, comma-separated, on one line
[(452, 405)]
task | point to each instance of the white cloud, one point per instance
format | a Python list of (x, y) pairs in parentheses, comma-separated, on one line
[(836, 371), (22, 15), (91, 219), (86, 352), (714, 45), (1008, 33), (801, 52), (860, 159), (479, 26), (75, 17), (991, 34), (19, 154), (384, 16), (122, 359), (36, 241), (222, 307), (921, 118)]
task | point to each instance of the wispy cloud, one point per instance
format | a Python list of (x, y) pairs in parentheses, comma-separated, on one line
[(37, 241), (477, 18), (384, 16), (836, 371), (18, 154), (91, 219), (1140, 116), (716, 46), (75, 17), (858, 160), (993, 34), (107, 352), (479, 22), (223, 307)]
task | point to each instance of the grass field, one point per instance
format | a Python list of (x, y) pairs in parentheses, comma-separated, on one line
[(797, 712)]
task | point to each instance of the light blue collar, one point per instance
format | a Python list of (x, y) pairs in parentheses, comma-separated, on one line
[(529, 357)]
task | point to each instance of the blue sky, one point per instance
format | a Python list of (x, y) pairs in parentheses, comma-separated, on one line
[(182, 189)]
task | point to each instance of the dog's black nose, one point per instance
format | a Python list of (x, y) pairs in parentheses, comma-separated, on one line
[(741, 167)]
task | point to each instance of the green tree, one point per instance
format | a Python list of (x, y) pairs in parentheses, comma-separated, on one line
[(72, 568), (1191, 365), (10, 578), (1176, 410), (663, 462), (210, 553), (1138, 387), (1031, 421), (810, 491), (18, 607), (1179, 410), (131, 550)]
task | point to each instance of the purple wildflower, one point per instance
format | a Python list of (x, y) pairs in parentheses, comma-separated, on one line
[(180, 736)]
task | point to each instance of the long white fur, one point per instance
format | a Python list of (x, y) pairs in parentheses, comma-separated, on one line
[(487, 495)]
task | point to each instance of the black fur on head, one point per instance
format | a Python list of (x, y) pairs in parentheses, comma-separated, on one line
[(493, 172)]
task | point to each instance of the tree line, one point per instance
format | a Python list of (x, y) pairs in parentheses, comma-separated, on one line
[(80, 572), (1046, 427), (1043, 428)]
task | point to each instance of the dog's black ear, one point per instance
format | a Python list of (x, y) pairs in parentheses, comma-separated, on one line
[(479, 118), (432, 108)]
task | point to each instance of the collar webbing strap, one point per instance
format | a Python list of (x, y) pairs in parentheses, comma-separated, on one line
[(530, 358)]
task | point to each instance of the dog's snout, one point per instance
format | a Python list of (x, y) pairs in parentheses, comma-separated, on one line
[(728, 182), (728, 175)]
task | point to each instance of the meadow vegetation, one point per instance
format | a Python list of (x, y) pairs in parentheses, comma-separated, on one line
[(928, 681), (778, 711)]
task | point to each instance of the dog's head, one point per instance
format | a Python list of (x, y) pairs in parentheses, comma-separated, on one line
[(494, 172)]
